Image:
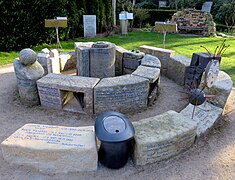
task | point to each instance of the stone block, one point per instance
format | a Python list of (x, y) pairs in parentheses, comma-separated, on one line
[(151, 61), (53, 63), (162, 54), (52, 149), (150, 73), (123, 94), (177, 67), (205, 116), (83, 44), (162, 136), (72, 93), (131, 60), (83, 61), (102, 60), (119, 60), (67, 61), (221, 89), (127, 71)]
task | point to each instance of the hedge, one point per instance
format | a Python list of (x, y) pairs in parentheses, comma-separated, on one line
[(22, 21)]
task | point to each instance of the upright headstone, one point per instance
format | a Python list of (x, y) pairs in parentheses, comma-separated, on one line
[(28, 71), (207, 6), (89, 22)]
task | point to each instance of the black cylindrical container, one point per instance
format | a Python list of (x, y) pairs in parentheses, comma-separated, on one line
[(115, 131)]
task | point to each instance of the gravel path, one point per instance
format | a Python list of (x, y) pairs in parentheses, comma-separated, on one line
[(212, 157)]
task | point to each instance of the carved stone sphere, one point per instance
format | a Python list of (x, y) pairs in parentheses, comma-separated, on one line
[(27, 56)]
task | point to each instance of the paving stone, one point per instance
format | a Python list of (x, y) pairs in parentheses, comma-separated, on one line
[(56, 89), (124, 94), (151, 61), (221, 89), (205, 116), (26, 76), (177, 67), (152, 74), (162, 136), (52, 149)]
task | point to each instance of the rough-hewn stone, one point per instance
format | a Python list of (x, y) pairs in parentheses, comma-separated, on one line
[(52, 149), (26, 76), (119, 60), (151, 61), (205, 116), (152, 74), (221, 89), (67, 61), (43, 58), (102, 60), (55, 90), (53, 63), (176, 68), (131, 60), (27, 56), (124, 94), (83, 61), (160, 137), (163, 55)]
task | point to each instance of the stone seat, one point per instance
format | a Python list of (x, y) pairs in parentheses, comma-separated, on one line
[(162, 136), (52, 149)]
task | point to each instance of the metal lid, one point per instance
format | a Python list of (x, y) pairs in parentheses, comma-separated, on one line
[(113, 127)]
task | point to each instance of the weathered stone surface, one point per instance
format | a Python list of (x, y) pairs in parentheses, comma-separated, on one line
[(205, 116), (83, 44), (53, 63), (56, 90), (160, 137), (52, 149), (43, 58), (152, 74), (67, 61), (177, 67), (221, 89), (163, 54), (127, 71), (119, 60), (27, 56), (83, 61), (102, 61), (151, 61), (26, 81), (89, 23), (131, 60), (124, 94)]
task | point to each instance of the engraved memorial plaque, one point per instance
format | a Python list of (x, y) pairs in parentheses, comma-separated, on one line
[(89, 22)]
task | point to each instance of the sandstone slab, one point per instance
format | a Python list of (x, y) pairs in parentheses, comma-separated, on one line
[(205, 116), (221, 89), (72, 93), (152, 74), (160, 137), (124, 94), (177, 67), (52, 149), (151, 61)]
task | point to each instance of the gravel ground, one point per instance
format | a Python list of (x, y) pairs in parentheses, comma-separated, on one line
[(212, 157)]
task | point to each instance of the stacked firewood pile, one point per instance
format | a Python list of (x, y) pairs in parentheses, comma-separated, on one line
[(194, 21)]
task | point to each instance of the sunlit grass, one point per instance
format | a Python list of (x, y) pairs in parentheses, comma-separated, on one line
[(185, 45)]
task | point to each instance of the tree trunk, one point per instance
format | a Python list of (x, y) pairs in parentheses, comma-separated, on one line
[(114, 12)]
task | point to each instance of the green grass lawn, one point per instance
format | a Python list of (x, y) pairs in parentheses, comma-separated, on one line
[(185, 45)]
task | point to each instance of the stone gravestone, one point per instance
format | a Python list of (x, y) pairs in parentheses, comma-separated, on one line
[(207, 6), (89, 22), (162, 3)]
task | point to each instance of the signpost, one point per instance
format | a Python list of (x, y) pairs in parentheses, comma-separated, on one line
[(123, 17), (56, 23), (165, 27)]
